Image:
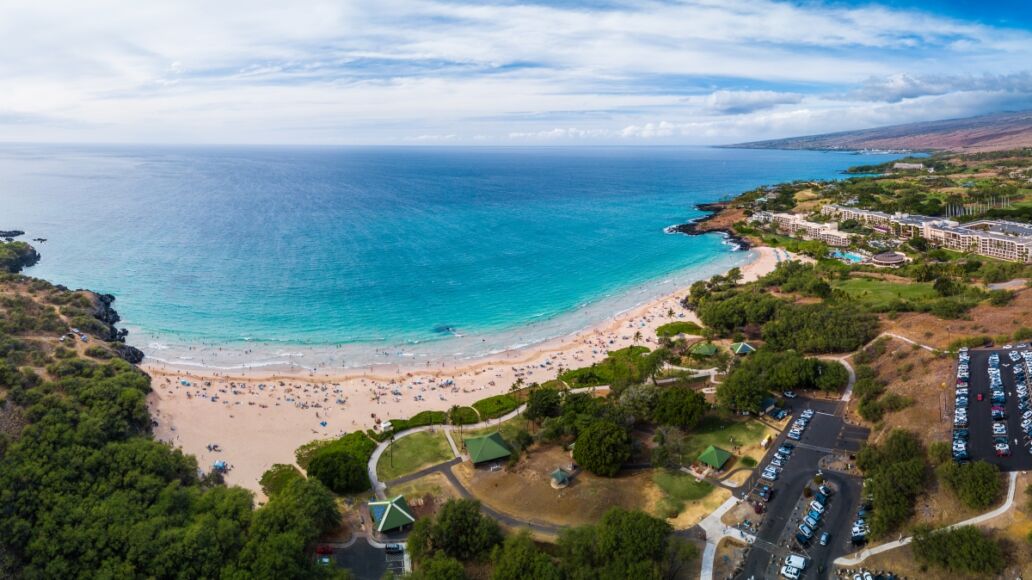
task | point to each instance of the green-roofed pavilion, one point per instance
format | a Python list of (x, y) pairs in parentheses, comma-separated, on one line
[(390, 514), (715, 457), (704, 349), (561, 476), (487, 448), (742, 348)]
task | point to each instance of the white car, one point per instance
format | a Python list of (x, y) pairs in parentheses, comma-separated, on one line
[(817, 507), (790, 572)]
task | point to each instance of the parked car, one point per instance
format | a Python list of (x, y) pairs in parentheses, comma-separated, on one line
[(825, 537), (806, 530), (789, 394), (817, 507), (790, 572), (393, 548)]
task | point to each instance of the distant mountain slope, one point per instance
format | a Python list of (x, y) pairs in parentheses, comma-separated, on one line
[(982, 133)]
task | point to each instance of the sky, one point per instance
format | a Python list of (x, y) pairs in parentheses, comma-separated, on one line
[(500, 72)]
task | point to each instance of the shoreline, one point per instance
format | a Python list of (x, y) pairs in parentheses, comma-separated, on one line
[(261, 358), (273, 413)]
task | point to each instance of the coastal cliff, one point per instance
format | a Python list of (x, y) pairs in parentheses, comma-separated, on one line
[(720, 220), (96, 316)]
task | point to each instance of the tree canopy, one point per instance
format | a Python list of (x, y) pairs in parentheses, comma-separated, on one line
[(680, 406), (602, 448)]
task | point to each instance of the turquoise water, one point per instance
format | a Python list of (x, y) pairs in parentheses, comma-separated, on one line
[(851, 257), (375, 252)]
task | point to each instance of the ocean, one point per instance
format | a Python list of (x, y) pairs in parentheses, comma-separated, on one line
[(233, 256)]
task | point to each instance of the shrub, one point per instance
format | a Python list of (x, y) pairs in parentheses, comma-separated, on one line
[(680, 327), (277, 477), (543, 402), (1000, 297), (963, 549), (977, 484), (896, 472)]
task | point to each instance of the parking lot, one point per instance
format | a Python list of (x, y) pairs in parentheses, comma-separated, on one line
[(982, 441), (825, 433)]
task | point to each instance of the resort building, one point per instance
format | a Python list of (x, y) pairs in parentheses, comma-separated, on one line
[(793, 224), (1000, 239), (876, 219)]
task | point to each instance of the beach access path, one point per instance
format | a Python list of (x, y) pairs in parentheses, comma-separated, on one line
[(379, 488)]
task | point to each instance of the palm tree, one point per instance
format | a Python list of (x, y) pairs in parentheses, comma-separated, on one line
[(637, 336)]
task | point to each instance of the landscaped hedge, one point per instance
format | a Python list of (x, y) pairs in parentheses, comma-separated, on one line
[(493, 407), (464, 416)]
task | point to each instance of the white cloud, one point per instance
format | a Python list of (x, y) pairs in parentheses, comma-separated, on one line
[(387, 71)]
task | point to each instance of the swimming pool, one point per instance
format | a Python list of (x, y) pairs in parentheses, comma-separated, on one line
[(851, 257)]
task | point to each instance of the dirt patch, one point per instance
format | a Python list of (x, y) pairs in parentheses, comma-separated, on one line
[(426, 494), (695, 511), (984, 319), (524, 491), (729, 558), (11, 420)]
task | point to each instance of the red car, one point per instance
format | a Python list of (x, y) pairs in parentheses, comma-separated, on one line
[(979, 396), (324, 550)]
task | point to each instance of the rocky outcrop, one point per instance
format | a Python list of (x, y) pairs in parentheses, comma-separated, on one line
[(708, 224), (9, 235), (105, 313), (17, 255)]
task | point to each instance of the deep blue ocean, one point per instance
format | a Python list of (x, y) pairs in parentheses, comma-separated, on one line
[(267, 249)]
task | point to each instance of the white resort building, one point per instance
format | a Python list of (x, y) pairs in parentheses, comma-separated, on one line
[(1000, 239), (797, 225)]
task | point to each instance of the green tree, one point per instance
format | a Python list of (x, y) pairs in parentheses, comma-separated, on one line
[(340, 471), (602, 448), (624, 544), (440, 567), (519, 559), (965, 549), (681, 407), (977, 484), (459, 531), (542, 403)]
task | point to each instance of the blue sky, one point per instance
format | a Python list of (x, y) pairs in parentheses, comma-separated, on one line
[(500, 72)]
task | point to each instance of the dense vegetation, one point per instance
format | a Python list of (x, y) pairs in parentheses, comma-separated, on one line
[(756, 376), (965, 549), (85, 490), (16, 255), (978, 484), (896, 472)]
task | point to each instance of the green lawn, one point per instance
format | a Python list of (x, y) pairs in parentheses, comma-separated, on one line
[(679, 327), (495, 406), (413, 453), (881, 293), (679, 488), (508, 429), (713, 430)]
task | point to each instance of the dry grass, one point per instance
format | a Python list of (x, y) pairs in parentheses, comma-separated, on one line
[(525, 491), (918, 374), (1012, 528), (695, 511), (984, 319), (730, 555)]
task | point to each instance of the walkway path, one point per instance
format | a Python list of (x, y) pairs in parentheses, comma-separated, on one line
[(374, 459), (864, 554), (716, 530)]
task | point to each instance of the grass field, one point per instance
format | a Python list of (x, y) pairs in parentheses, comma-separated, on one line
[(725, 433), (508, 429), (413, 453), (678, 489), (881, 293), (679, 327), (495, 406)]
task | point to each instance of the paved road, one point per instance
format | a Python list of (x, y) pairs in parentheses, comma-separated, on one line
[(776, 536)]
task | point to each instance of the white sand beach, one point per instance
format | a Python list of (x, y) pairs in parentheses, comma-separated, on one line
[(257, 420)]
